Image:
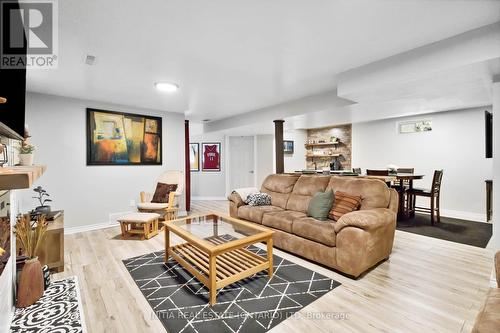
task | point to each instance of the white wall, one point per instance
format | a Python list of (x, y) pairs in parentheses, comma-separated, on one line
[(264, 160), (89, 194), (455, 144), (297, 160), (213, 185), (495, 239), (209, 185)]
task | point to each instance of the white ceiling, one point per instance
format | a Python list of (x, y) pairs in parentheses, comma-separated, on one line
[(231, 56)]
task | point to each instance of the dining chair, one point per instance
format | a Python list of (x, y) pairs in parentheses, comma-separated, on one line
[(405, 170), (406, 185), (406, 182), (434, 194), (371, 172)]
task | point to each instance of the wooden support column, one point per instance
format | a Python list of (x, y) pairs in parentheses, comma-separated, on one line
[(278, 139), (187, 166)]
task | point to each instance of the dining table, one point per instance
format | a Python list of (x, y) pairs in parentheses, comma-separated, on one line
[(405, 212)]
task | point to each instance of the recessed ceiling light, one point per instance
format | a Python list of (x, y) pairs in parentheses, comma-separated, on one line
[(166, 86), (90, 59)]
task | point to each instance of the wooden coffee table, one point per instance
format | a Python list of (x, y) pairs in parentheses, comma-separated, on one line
[(215, 251)]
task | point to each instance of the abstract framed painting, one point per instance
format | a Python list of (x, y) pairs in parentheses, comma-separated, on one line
[(118, 138), (210, 158), (194, 156)]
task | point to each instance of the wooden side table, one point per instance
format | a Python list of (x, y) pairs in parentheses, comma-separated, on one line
[(51, 250)]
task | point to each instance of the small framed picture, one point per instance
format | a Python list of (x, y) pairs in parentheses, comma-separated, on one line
[(210, 160), (416, 126), (288, 147), (194, 156)]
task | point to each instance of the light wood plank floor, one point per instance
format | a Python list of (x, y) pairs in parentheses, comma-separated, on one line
[(427, 285)]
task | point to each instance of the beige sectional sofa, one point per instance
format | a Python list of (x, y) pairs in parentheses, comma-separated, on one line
[(488, 318), (353, 244)]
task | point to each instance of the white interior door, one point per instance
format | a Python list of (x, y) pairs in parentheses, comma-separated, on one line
[(241, 162)]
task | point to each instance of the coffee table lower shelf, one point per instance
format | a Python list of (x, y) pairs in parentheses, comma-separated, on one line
[(222, 269)]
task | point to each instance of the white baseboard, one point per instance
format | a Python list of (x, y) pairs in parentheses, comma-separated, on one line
[(88, 227), (457, 214), (113, 222), (208, 198)]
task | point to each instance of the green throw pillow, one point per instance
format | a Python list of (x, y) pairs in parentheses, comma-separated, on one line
[(320, 205)]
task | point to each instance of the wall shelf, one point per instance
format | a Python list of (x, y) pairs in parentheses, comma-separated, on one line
[(322, 144), (19, 177), (324, 156)]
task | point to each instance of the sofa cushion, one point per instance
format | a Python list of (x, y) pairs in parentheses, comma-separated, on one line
[(344, 203), (315, 230), (162, 192), (281, 220), (320, 205), (279, 188), (303, 190), (258, 199), (151, 205), (255, 213), (373, 192)]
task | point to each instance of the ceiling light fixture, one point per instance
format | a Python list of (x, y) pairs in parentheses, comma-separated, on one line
[(90, 59), (166, 86)]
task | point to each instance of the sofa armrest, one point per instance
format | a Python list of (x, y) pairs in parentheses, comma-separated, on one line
[(394, 202), (363, 239), (368, 219), (236, 199), (235, 202)]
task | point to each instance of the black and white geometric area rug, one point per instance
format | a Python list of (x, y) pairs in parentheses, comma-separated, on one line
[(255, 304), (58, 310)]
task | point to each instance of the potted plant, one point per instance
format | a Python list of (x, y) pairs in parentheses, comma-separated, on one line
[(26, 151), (26, 154), (30, 234), (42, 197)]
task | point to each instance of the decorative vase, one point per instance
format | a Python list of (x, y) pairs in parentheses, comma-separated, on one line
[(30, 283), (43, 210), (26, 159)]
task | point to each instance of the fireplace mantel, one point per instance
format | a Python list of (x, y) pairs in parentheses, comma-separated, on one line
[(19, 177)]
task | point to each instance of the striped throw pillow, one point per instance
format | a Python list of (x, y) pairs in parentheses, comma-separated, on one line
[(344, 203)]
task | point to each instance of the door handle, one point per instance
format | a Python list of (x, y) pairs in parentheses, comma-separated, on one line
[(251, 171)]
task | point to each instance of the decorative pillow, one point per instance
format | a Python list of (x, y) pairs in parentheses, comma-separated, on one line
[(162, 192), (258, 199), (320, 205), (344, 203)]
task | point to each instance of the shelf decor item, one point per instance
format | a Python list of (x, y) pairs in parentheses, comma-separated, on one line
[(26, 155), (26, 151), (30, 234), (42, 197)]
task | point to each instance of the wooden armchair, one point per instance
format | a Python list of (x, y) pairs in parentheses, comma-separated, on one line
[(169, 210)]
